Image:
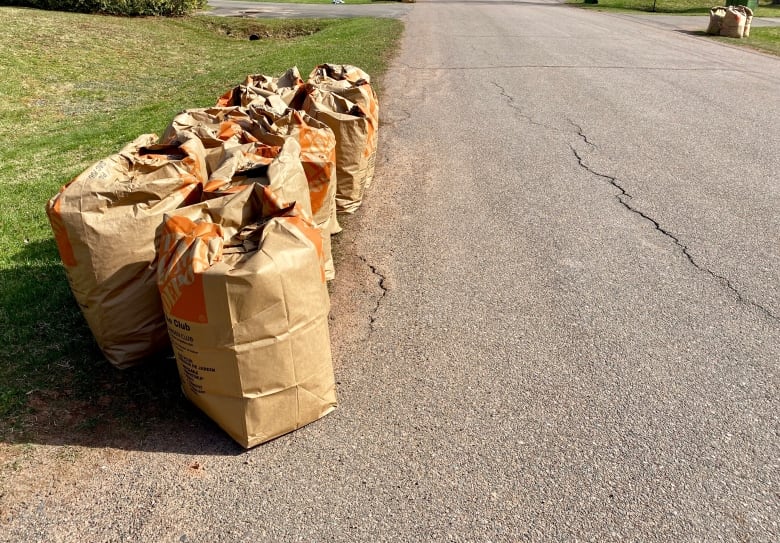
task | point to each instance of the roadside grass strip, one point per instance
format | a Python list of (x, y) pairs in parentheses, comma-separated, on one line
[(678, 7), (76, 88), (766, 39)]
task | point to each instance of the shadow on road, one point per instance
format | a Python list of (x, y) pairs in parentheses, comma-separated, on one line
[(691, 32)]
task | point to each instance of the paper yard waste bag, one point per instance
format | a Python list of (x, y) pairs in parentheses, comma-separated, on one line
[(261, 136), (237, 143), (318, 153), (247, 313), (104, 223), (223, 128), (716, 20), (318, 156), (279, 169), (352, 130), (218, 128), (748, 21), (340, 72), (353, 84), (733, 25), (278, 93), (214, 126), (341, 96)]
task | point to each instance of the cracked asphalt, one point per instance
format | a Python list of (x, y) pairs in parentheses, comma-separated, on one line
[(555, 316)]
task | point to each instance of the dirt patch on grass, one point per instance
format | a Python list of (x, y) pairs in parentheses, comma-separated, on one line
[(98, 406), (242, 29)]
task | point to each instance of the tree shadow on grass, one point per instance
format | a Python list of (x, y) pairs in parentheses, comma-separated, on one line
[(56, 388)]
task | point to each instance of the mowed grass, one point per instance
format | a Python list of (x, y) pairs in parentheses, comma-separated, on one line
[(765, 39), (679, 7), (75, 88), (762, 38)]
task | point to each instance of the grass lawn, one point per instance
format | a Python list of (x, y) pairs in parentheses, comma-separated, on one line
[(765, 39), (76, 88), (761, 38), (678, 7)]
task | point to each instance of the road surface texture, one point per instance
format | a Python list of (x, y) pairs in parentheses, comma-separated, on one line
[(556, 316)]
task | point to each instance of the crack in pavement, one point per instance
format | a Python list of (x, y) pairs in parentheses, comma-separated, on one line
[(511, 100), (381, 282), (581, 133), (623, 196)]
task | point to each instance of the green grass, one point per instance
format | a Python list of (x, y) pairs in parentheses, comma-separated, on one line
[(76, 88), (678, 7), (765, 39), (762, 38)]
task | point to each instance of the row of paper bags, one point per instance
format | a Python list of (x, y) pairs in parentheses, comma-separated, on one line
[(216, 241), (730, 21)]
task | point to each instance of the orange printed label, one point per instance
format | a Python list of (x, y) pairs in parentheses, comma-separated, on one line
[(186, 250), (318, 155), (263, 151), (317, 176), (60, 233), (227, 99), (229, 129)]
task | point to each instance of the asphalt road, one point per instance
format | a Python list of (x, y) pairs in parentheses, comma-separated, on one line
[(557, 315)]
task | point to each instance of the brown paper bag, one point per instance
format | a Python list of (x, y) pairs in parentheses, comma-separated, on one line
[(733, 25), (318, 153), (350, 109), (355, 85), (104, 223), (278, 168), (748, 21), (278, 93), (352, 131), (318, 156), (716, 20), (218, 128), (247, 311), (214, 126), (339, 72), (223, 128)]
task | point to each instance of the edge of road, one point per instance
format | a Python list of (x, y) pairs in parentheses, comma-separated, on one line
[(692, 26), (682, 22)]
